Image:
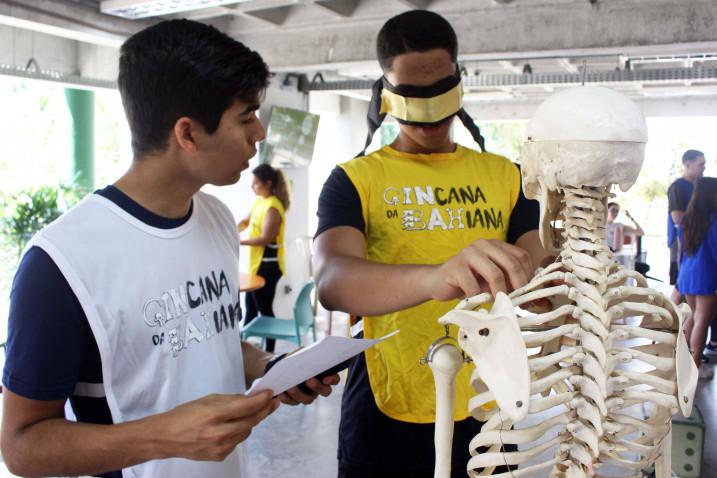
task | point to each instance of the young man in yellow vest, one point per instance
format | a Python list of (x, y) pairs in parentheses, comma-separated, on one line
[(403, 233)]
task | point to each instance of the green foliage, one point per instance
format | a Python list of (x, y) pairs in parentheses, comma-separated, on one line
[(24, 213), (652, 188)]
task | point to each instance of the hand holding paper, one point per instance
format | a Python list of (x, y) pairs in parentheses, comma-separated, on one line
[(310, 362)]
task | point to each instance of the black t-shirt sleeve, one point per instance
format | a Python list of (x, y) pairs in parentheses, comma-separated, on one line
[(48, 334), (339, 204), (525, 217), (676, 195)]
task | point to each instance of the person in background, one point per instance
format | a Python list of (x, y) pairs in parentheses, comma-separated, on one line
[(697, 280), (266, 239), (616, 231), (678, 197), (406, 231), (127, 306)]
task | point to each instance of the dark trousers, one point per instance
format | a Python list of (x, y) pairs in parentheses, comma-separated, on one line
[(261, 300)]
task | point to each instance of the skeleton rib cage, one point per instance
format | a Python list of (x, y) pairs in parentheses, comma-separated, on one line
[(580, 367)]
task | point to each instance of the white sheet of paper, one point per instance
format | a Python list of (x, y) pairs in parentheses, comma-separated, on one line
[(311, 361)]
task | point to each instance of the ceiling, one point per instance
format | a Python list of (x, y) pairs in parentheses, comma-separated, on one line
[(510, 49)]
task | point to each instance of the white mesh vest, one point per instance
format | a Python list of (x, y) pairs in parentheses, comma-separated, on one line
[(163, 305)]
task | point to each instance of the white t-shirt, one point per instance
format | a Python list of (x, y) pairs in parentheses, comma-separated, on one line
[(163, 305)]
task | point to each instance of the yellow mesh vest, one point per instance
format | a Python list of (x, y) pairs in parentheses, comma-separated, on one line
[(256, 222), (423, 209)]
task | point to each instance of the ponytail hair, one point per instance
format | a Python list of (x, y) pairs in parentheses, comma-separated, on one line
[(695, 223), (279, 186)]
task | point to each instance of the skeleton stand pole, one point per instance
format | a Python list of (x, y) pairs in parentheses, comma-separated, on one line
[(663, 465)]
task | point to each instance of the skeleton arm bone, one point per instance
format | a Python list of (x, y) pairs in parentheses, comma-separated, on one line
[(445, 362)]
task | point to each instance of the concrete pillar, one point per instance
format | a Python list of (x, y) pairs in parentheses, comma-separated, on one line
[(81, 104)]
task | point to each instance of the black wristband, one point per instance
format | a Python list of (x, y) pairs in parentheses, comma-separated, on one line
[(273, 361)]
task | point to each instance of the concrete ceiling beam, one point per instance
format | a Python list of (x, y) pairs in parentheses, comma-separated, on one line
[(422, 4), (342, 8), (512, 32)]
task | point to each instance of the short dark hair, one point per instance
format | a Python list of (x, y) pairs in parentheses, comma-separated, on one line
[(184, 68), (611, 204), (415, 30), (691, 155)]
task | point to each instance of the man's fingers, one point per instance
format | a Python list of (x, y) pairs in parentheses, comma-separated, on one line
[(239, 406), (296, 394), (243, 426), (521, 255), (323, 387), (514, 270), (287, 400), (331, 379), (483, 266), (466, 281)]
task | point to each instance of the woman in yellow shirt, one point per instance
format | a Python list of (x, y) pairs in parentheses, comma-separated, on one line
[(266, 239)]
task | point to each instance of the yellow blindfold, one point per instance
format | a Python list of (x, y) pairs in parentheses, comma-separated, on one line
[(422, 110)]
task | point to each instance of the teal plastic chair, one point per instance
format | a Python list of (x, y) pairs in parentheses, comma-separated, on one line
[(286, 329)]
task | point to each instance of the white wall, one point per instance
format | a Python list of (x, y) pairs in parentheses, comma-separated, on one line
[(239, 197), (341, 135)]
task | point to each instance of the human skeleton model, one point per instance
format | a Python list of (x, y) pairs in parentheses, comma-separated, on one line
[(580, 142)]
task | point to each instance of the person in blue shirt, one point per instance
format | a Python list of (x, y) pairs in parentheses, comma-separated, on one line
[(697, 279), (678, 196)]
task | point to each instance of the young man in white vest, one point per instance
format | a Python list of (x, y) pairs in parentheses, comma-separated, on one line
[(128, 305), (404, 232)]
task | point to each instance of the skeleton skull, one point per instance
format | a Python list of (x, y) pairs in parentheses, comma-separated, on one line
[(586, 136)]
